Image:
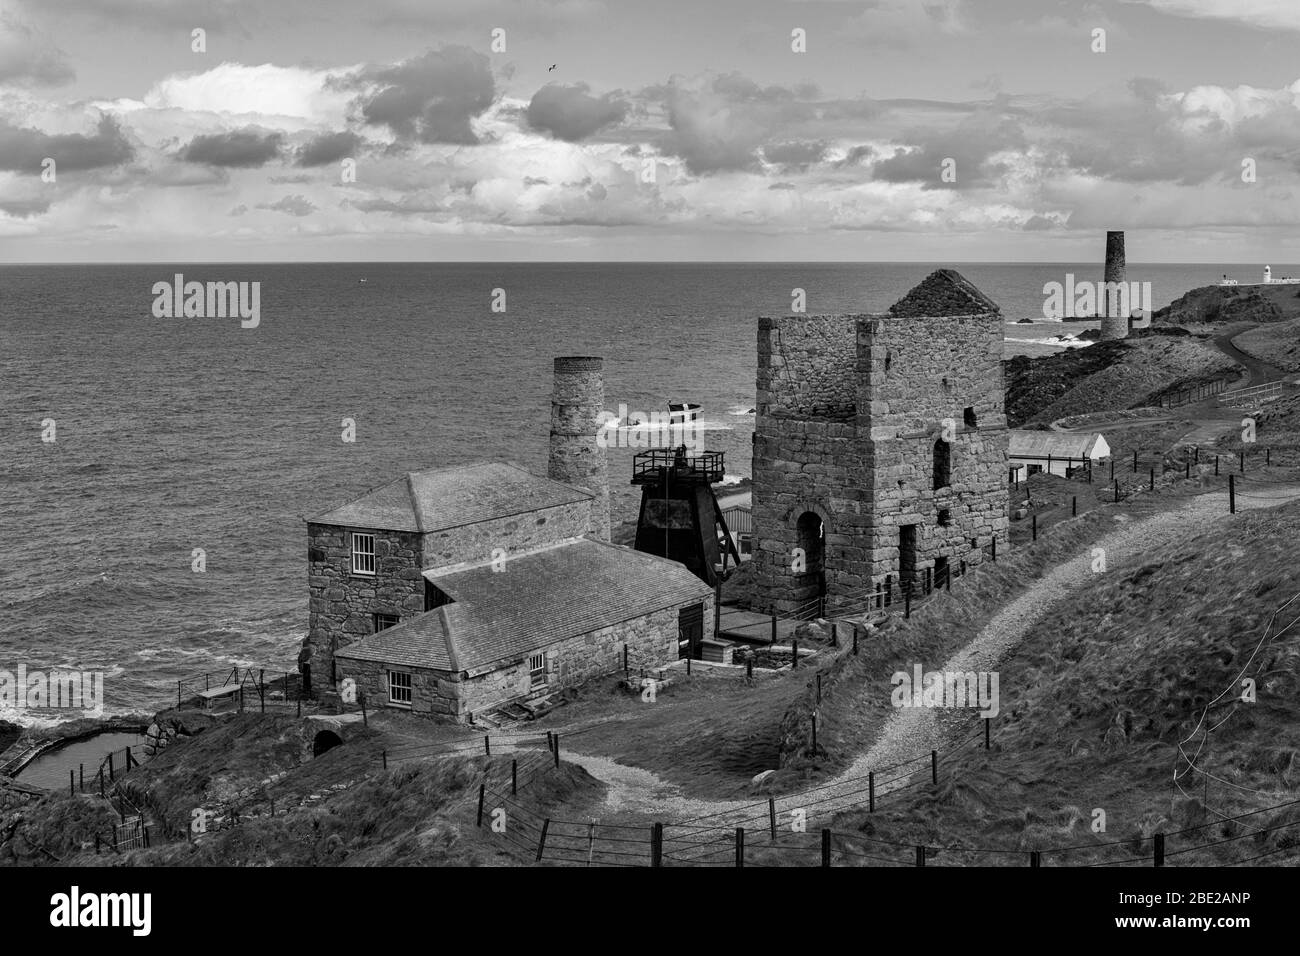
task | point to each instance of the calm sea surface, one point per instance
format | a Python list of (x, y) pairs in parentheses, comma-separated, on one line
[(178, 434)]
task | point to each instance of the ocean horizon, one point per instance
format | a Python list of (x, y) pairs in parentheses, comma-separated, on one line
[(186, 434)]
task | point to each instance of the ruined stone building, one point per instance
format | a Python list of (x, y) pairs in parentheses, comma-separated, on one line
[(880, 446), (455, 591)]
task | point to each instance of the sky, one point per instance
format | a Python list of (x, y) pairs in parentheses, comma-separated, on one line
[(752, 130)]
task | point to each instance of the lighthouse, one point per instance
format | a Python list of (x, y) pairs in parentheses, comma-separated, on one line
[(1268, 274)]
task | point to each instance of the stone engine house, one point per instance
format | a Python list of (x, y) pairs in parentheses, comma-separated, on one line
[(880, 446)]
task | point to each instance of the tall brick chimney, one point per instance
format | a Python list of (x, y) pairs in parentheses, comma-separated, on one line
[(576, 459), (1113, 326)]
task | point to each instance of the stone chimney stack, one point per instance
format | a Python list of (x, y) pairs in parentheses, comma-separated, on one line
[(1113, 326), (576, 459)]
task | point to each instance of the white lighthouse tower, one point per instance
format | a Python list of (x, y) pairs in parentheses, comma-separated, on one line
[(1268, 274)]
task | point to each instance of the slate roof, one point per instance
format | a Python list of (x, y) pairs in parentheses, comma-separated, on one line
[(439, 498), (944, 292), (540, 598), (1030, 443)]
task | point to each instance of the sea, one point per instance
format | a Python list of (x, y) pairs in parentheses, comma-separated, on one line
[(180, 439)]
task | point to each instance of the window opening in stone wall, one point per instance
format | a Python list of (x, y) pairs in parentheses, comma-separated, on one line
[(536, 670), (383, 622), (945, 517), (969, 416), (399, 688), (942, 464), (363, 554)]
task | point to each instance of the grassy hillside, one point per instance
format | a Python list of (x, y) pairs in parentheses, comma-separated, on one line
[(1108, 376), (1095, 703)]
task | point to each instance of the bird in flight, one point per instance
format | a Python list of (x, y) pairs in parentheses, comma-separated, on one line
[(553, 66)]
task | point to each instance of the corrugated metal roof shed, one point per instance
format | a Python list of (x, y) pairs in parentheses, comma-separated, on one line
[(1039, 444)]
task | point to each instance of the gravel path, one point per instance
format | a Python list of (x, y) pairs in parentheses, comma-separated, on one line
[(911, 733)]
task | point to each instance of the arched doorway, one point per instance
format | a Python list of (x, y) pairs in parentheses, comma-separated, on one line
[(325, 740), (810, 583)]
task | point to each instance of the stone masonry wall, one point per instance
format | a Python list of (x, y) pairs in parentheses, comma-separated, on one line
[(937, 367), (868, 475), (651, 641), (806, 367), (341, 603)]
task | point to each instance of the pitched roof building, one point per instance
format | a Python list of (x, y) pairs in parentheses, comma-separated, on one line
[(451, 591)]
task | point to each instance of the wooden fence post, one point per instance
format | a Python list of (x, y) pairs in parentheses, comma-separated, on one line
[(871, 791), (987, 721), (657, 845), (557, 751), (774, 627), (514, 776), (481, 789), (907, 603), (1153, 479), (384, 756), (814, 734), (934, 766), (487, 745), (1074, 506), (740, 846), (1035, 858), (1159, 850), (1232, 494), (541, 843), (110, 765), (920, 856), (1035, 527), (771, 816)]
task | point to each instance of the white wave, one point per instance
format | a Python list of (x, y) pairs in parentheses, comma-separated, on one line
[(1060, 341)]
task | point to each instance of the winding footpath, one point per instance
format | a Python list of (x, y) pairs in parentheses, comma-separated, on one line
[(914, 731)]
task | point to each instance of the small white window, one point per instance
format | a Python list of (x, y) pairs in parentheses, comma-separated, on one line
[(363, 554), (399, 688), (383, 622), (537, 670)]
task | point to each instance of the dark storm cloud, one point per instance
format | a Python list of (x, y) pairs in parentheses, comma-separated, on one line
[(241, 149), (328, 148), (430, 98), (571, 113), (23, 149)]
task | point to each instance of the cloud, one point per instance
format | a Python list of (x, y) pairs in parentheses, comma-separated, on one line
[(718, 125), (430, 98), (1266, 14), (241, 149), (23, 149), (571, 113), (328, 148), (292, 205), (28, 57), (276, 95), (795, 155), (23, 208)]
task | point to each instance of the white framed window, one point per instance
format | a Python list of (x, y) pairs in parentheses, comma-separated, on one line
[(363, 554), (537, 670), (383, 622), (399, 688)]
